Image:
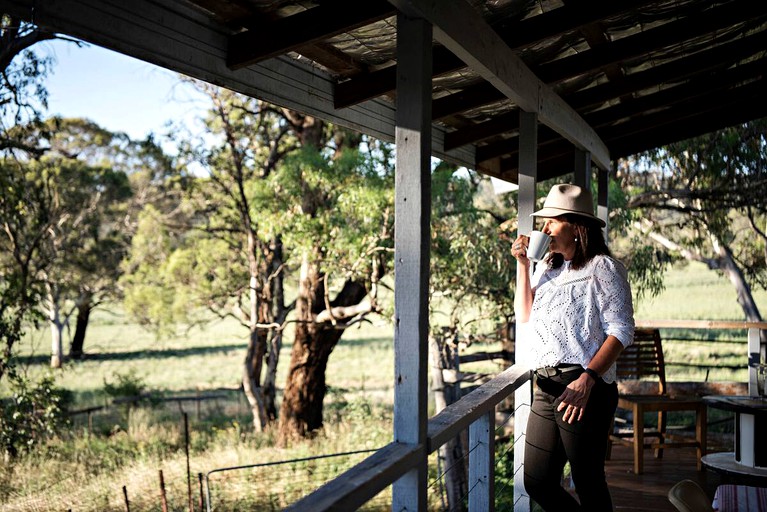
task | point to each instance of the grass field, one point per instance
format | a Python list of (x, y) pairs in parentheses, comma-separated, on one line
[(128, 447)]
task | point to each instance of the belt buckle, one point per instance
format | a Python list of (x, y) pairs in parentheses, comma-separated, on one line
[(547, 372)]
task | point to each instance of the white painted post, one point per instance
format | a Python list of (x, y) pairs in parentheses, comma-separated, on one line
[(481, 464), (603, 211), (412, 193), (528, 170)]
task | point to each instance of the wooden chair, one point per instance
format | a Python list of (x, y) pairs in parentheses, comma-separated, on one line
[(640, 360)]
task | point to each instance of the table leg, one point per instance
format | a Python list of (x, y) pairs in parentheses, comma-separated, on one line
[(701, 432), (638, 439)]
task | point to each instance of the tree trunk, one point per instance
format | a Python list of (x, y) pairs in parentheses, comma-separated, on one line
[(57, 326), (280, 313), (260, 315), (451, 454), (250, 379), (301, 412), (745, 298), (302, 402), (84, 308)]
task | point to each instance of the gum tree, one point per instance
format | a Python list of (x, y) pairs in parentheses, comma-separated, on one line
[(703, 200)]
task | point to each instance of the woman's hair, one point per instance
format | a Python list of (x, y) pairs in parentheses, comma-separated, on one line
[(591, 242)]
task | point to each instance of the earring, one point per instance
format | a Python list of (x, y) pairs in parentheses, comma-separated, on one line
[(575, 239)]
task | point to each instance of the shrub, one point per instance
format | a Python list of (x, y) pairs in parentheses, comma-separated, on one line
[(34, 412)]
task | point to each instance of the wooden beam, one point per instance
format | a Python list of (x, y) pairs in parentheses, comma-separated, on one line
[(277, 37), (189, 42), (523, 396), (517, 34), (367, 86), (630, 47), (687, 120), (713, 85), (462, 30), (695, 25), (679, 69), (696, 66)]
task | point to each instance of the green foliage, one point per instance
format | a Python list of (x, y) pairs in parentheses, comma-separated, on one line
[(339, 209), (33, 413), (646, 267), (471, 264), (23, 96), (125, 385), (706, 196)]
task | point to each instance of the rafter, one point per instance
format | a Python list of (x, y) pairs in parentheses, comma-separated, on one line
[(548, 25), (594, 60), (459, 28), (266, 40)]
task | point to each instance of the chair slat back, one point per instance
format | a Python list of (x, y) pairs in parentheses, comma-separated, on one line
[(643, 358)]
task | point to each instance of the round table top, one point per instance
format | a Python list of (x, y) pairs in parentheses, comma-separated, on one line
[(755, 405), (725, 463)]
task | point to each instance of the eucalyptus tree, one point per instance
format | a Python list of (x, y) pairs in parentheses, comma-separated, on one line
[(336, 214), (78, 203), (276, 192), (212, 256), (22, 103), (703, 199)]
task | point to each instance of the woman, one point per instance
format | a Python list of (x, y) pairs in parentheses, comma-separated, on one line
[(579, 316)]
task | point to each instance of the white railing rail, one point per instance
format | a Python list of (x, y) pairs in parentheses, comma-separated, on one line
[(475, 411)]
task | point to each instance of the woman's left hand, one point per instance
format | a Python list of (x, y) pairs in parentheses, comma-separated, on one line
[(575, 397)]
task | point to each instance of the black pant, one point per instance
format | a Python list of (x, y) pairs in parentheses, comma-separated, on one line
[(550, 442)]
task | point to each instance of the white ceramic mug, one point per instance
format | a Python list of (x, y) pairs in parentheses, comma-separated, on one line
[(539, 244)]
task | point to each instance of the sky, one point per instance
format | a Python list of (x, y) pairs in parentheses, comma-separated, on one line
[(117, 92)]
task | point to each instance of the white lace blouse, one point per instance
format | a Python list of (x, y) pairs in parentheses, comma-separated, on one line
[(574, 311)]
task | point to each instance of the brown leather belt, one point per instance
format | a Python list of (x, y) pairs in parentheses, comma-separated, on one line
[(547, 372)]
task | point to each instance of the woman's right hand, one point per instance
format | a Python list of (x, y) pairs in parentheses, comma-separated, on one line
[(519, 249)]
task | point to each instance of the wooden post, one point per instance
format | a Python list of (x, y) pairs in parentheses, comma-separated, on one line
[(188, 472), (523, 396), (582, 169), (202, 496), (603, 192), (163, 497), (754, 360), (125, 495), (481, 464), (412, 216)]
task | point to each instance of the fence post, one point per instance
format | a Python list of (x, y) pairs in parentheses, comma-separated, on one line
[(482, 464)]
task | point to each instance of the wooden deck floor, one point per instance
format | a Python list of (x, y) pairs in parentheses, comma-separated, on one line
[(648, 491)]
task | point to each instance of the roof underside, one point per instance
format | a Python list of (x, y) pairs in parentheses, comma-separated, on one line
[(639, 73)]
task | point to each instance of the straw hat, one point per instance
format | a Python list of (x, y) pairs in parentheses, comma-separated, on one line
[(568, 199)]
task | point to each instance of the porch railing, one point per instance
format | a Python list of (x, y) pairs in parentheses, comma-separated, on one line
[(475, 412)]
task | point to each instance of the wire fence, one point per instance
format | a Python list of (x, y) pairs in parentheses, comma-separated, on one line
[(274, 485)]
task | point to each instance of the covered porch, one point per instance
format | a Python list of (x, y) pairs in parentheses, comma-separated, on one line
[(521, 91)]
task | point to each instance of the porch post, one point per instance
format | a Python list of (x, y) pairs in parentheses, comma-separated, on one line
[(482, 464), (582, 168), (603, 207), (412, 195), (528, 171), (754, 359)]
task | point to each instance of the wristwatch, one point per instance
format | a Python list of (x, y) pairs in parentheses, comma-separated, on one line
[(593, 374)]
